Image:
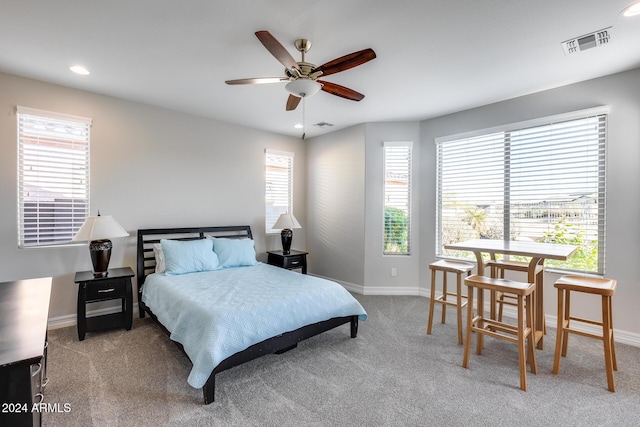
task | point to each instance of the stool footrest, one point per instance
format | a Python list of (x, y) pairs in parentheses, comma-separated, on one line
[(583, 320), (583, 333), (511, 297), (499, 330), (441, 300)]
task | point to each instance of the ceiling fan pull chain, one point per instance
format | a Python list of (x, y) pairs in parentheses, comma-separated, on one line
[(304, 122)]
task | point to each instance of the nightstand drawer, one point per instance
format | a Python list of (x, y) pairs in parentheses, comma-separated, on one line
[(290, 261), (105, 290), (296, 261)]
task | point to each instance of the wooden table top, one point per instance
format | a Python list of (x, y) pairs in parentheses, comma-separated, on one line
[(523, 248)]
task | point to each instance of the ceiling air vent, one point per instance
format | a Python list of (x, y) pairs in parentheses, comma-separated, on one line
[(587, 41), (323, 124)]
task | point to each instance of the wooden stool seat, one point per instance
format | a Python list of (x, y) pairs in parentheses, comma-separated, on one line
[(590, 285), (448, 266), (520, 334)]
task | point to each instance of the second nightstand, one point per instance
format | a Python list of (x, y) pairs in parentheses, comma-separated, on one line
[(117, 284), (294, 259)]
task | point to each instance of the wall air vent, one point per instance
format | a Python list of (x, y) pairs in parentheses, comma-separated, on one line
[(587, 41), (323, 124)]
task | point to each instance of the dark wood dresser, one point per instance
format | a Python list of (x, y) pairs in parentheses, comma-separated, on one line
[(24, 311)]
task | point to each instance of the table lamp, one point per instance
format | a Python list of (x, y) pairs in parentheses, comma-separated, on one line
[(286, 222), (97, 230)]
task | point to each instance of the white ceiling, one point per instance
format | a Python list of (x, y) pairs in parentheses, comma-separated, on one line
[(433, 56)]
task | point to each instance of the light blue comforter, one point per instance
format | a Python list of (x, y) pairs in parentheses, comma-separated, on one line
[(216, 314)]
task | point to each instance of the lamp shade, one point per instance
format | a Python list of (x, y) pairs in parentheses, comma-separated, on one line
[(98, 228), (287, 221)]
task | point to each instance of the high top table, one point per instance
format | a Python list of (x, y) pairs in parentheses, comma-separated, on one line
[(537, 252)]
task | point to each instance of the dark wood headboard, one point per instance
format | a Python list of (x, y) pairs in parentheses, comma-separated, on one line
[(147, 237)]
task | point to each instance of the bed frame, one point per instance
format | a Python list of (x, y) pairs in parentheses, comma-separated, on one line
[(278, 344)]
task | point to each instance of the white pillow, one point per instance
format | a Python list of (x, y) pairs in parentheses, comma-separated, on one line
[(157, 251)]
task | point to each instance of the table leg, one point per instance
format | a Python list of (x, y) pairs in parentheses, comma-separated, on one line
[(480, 263), (538, 297), (492, 296)]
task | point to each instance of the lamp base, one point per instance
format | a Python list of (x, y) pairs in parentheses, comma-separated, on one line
[(100, 251), (286, 236)]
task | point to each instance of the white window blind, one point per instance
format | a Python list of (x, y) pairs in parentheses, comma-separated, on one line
[(542, 182), (279, 186), (53, 176), (397, 198)]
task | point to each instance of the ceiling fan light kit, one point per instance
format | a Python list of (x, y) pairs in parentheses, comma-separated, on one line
[(303, 87), (302, 77)]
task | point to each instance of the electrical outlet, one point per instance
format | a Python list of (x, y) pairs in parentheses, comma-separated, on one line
[(394, 272)]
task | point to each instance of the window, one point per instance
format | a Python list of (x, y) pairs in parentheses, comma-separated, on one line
[(397, 198), (542, 181), (53, 176), (279, 186)]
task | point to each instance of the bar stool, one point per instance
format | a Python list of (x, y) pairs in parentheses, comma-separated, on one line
[(523, 331), (591, 285), (498, 268), (447, 266)]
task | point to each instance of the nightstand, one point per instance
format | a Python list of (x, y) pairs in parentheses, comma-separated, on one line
[(294, 259), (116, 285)]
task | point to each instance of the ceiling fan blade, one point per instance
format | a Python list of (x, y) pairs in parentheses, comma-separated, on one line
[(345, 62), (341, 91), (292, 102), (257, 80), (277, 50)]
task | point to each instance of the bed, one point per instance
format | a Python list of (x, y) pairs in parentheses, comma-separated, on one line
[(231, 310)]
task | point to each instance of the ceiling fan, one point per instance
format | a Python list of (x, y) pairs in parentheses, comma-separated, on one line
[(302, 77)]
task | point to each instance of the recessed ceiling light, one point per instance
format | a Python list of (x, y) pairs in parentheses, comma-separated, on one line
[(632, 10), (79, 69), (298, 126)]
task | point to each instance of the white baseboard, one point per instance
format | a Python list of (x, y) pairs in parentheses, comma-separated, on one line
[(379, 290)]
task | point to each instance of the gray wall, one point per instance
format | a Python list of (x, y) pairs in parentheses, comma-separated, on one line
[(336, 206), (150, 167), (620, 91), (344, 205)]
